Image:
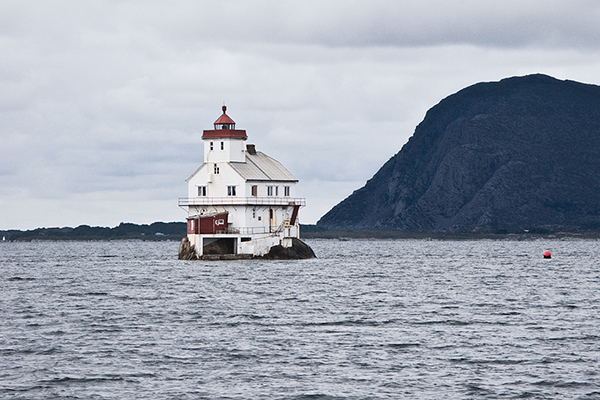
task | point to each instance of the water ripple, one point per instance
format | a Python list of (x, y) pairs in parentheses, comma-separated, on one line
[(368, 319)]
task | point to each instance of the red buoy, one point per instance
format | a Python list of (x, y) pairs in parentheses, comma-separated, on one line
[(547, 254)]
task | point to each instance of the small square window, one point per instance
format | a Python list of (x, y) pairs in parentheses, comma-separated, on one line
[(211, 145), (254, 190), (216, 169), (222, 145), (202, 191), (286, 191), (230, 190), (269, 190)]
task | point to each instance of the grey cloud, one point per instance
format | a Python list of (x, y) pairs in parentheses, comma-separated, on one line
[(153, 27), (102, 104), (390, 22)]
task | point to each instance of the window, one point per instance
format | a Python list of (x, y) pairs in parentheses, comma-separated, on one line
[(254, 190), (253, 213), (276, 190), (230, 190), (222, 145), (286, 191), (269, 190), (211, 145), (216, 169), (202, 191)]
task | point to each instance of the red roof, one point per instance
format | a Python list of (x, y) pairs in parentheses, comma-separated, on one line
[(224, 128), (224, 133), (224, 119)]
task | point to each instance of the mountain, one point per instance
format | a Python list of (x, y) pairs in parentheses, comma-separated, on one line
[(519, 154)]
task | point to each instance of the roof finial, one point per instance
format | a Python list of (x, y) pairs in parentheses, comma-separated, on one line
[(224, 108)]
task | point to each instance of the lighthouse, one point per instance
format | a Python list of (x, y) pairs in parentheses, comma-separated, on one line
[(241, 203)]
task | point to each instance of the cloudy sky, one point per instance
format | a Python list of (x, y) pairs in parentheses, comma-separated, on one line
[(103, 102)]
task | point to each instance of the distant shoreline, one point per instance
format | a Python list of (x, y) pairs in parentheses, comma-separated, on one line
[(157, 231), (175, 231), (341, 235), (319, 233)]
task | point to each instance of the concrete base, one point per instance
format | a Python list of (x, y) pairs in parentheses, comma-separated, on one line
[(295, 250)]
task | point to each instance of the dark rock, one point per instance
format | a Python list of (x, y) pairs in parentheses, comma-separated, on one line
[(219, 246), (299, 250), (522, 153), (187, 250)]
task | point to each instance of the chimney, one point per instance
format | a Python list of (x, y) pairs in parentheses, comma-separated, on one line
[(251, 149)]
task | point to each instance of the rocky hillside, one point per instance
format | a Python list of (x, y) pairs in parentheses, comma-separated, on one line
[(521, 153)]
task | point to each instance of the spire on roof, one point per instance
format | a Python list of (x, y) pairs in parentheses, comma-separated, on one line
[(224, 128), (224, 122)]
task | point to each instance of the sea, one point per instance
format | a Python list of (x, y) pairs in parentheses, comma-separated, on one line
[(367, 319)]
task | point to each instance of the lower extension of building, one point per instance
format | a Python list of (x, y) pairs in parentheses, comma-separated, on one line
[(241, 226)]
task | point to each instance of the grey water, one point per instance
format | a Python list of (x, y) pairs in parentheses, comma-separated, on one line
[(367, 319)]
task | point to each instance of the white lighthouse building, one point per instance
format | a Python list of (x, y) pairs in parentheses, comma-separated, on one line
[(240, 202)]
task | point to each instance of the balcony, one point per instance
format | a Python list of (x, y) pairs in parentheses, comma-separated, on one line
[(241, 201), (248, 230)]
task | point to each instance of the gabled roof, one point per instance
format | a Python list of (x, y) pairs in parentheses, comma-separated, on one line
[(261, 167), (258, 167), (195, 172)]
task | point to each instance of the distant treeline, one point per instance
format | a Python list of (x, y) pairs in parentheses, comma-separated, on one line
[(155, 231), (177, 230)]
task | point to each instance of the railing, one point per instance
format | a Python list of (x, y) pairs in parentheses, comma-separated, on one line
[(245, 230), (253, 230), (233, 200)]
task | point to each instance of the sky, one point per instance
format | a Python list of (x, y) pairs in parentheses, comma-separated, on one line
[(103, 102)]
